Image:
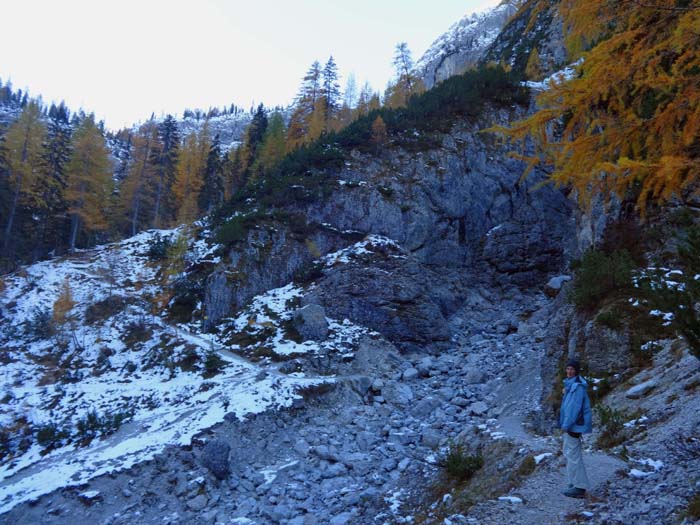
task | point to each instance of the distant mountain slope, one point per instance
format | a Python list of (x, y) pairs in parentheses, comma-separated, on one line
[(464, 43)]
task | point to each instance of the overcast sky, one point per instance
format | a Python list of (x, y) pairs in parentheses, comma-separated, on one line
[(126, 59)]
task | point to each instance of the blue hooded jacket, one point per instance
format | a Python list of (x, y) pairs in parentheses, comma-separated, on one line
[(575, 414)]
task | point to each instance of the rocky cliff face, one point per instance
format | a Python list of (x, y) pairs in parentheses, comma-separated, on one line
[(463, 44), (458, 212), (533, 27)]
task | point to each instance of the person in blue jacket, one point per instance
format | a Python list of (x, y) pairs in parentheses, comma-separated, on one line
[(575, 419)]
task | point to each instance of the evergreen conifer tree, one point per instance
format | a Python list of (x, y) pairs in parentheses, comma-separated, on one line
[(211, 194), (166, 164)]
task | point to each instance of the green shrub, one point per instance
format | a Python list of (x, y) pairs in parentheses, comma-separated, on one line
[(612, 422), (104, 309), (598, 275), (680, 298), (213, 364), (51, 435), (683, 217), (693, 510), (458, 464), (158, 247), (41, 325), (188, 293), (610, 318), (232, 231), (189, 359), (92, 424)]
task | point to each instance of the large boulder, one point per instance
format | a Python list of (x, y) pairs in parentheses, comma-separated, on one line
[(310, 321), (215, 458)]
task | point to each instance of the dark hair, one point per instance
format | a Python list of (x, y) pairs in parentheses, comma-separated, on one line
[(573, 363)]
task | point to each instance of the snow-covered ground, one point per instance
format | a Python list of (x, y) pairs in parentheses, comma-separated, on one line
[(113, 355), (558, 77)]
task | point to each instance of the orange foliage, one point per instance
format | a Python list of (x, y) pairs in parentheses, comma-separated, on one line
[(630, 119)]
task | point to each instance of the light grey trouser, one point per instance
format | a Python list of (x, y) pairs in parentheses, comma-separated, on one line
[(575, 469)]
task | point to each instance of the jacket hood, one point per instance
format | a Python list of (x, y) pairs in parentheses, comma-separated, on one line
[(576, 380)]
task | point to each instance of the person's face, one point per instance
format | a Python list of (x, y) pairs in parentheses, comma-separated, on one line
[(570, 371)]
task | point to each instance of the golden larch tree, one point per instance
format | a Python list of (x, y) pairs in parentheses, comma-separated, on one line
[(24, 146), (189, 176), (88, 180), (629, 119)]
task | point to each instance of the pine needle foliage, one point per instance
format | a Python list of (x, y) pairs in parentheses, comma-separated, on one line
[(630, 119)]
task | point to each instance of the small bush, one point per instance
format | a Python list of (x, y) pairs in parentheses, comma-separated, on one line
[(693, 510), (459, 465), (189, 359), (527, 466), (598, 275), (158, 248), (612, 422), (610, 319), (308, 273), (92, 424), (51, 435), (104, 309), (213, 364), (41, 325), (136, 332), (232, 231), (187, 294), (682, 217)]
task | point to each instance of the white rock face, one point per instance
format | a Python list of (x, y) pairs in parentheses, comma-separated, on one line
[(463, 44)]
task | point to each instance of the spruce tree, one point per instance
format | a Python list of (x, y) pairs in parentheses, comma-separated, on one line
[(212, 193), (330, 92), (166, 162), (51, 185), (305, 105)]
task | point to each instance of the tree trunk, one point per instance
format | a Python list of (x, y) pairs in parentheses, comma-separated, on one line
[(75, 221), (159, 192), (11, 219)]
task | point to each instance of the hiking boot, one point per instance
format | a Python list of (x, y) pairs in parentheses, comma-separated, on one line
[(574, 492)]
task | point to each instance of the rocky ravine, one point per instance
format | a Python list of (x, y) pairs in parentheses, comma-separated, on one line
[(465, 351), (365, 452)]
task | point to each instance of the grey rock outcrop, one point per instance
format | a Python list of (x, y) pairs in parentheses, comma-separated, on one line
[(215, 457), (310, 321), (463, 44), (555, 284)]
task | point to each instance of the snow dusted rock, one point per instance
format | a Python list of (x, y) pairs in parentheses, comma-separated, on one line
[(463, 44), (554, 285), (215, 458), (310, 322), (642, 389), (90, 496)]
